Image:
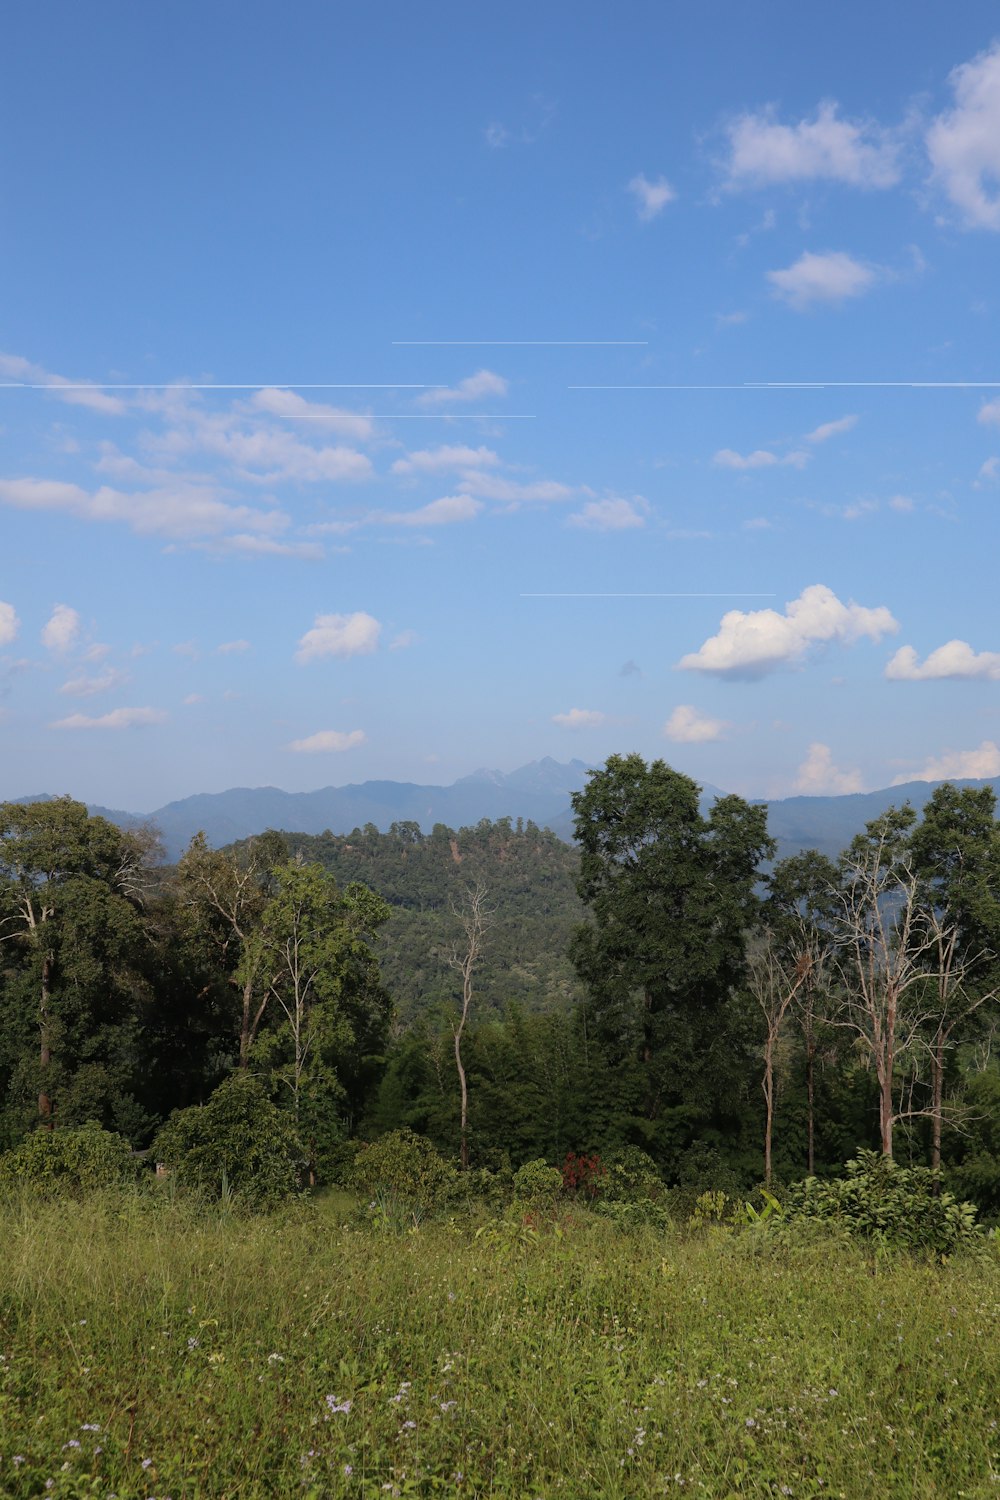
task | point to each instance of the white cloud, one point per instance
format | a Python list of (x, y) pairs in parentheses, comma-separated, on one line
[(276, 402), (474, 388), (963, 143), (818, 776), (119, 718), (403, 640), (859, 153), (761, 458), (686, 726), (828, 430), (614, 514), (953, 659), (248, 545), (326, 740), (85, 687), (9, 623), (651, 197), (902, 504), (580, 718), (990, 412), (831, 277), (443, 512), (76, 393), (229, 648), (448, 456), (493, 487), (989, 472), (62, 630), (265, 454), (750, 644), (962, 765), (340, 636), (182, 511), (193, 698)]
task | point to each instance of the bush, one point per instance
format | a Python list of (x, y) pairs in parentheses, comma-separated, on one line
[(407, 1166), (537, 1184), (583, 1175), (239, 1143), (879, 1200), (631, 1176), (79, 1158)]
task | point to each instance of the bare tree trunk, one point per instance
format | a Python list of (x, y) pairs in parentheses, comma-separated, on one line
[(475, 920), (769, 1100), (810, 1101), (45, 1047), (937, 1097), (464, 1127)]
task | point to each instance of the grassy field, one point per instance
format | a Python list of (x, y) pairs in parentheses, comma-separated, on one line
[(148, 1350)]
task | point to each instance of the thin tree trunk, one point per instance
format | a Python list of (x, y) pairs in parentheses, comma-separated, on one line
[(937, 1098), (464, 1128), (810, 1097), (45, 1047), (769, 1099)]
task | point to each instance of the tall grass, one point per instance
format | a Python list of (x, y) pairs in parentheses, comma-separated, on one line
[(152, 1349)]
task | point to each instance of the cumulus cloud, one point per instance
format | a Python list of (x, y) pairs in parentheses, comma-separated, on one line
[(818, 776), (9, 623), (483, 384), (61, 632), (443, 512), (262, 453), (230, 648), (963, 143), (990, 412), (339, 635), (762, 150), (580, 718), (953, 659), (326, 740), (751, 644), (118, 718), (761, 458), (687, 726), (827, 430), (447, 456), (651, 197), (961, 765), (833, 276), (613, 514)]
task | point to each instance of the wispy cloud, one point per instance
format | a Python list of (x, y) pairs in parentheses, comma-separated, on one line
[(483, 384), (828, 430), (443, 512), (651, 197), (580, 718), (325, 741), (761, 458), (118, 718), (448, 456), (688, 726), (613, 514)]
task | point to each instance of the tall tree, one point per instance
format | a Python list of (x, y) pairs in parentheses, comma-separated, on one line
[(671, 895), (475, 919)]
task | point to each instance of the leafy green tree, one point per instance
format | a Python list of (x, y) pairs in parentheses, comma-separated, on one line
[(70, 892), (329, 1012), (239, 1141), (671, 895)]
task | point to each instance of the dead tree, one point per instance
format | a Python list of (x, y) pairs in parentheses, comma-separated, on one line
[(475, 919)]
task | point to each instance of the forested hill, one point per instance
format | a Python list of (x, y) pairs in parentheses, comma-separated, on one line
[(530, 880)]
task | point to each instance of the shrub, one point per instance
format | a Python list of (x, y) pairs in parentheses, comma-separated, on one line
[(82, 1157), (583, 1175), (631, 1176), (537, 1184), (238, 1142), (406, 1165), (879, 1200)]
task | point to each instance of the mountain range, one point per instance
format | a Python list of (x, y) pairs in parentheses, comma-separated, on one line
[(539, 791)]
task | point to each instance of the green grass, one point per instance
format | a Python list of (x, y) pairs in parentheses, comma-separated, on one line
[(198, 1356)]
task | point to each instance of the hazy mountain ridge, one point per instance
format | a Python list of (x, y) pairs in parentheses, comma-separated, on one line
[(539, 791)]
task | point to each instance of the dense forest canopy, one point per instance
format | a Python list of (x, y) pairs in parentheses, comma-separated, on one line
[(662, 985)]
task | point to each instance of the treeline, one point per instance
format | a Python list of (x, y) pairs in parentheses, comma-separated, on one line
[(662, 985)]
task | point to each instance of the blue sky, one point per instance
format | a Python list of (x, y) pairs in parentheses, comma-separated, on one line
[(395, 390)]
